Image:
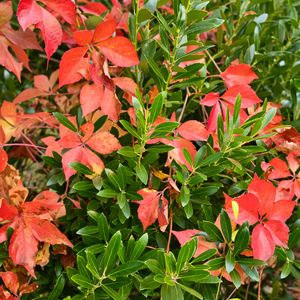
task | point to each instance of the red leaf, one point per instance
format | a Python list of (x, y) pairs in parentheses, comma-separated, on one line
[(248, 95), (29, 13), (103, 142), (7, 212), (265, 193), (281, 210), (126, 84), (279, 232), (3, 160), (210, 99), (11, 281), (83, 37), (7, 60), (51, 32), (90, 98), (6, 12), (110, 105), (65, 8), (163, 214), (29, 94), (193, 131), (120, 51), (23, 248), (277, 168), (73, 66), (213, 117), (148, 207), (94, 8), (238, 74), (248, 208), (293, 160), (262, 243), (104, 30), (285, 190)]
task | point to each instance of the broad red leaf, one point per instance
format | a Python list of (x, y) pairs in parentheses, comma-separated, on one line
[(21, 56), (210, 99), (104, 30), (110, 105), (7, 60), (103, 142), (193, 131), (163, 214), (94, 8), (6, 12), (120, 51), (285, 190), (148, 207), (248, 95), (126, 84), (8, 119), (65, 8), (281, 210), (262, 243), (276, 168), (91, 96), (29, 13), (83, 37), (293, 161), (11, 281), (279, 232), (248, 208), (51, 32), (73, 66), (265, 193), (28, 94), (42, 83), (238, 74), (3, 159)]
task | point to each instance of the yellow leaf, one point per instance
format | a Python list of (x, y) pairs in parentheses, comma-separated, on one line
[(235, 208)]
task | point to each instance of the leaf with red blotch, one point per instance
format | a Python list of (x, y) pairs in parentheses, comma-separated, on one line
[(65, 8), (31, 222), (103, 142), (104, 30), (148, 207), (51, 32), (262, 243), (120, 51), (7, 60), (11, 281), (91, 96), (94, 8), (193, 131), (238, 74), (3, 159), (276, 168), (248, 95), (110, 105), (6, 13), (73, 66)]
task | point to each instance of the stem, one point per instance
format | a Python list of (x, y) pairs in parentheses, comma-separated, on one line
[(24, 145), (218, 290), (228, 298), (184, 105), (259, 284), (214, 62), (170, 231)]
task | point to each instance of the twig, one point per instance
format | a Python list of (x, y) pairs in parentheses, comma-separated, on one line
[(170, 231), (184, 105), (231, 294), (214, 62)]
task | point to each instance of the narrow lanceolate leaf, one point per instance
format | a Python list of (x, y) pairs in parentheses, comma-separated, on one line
[(111, 252), (204, 26), (64, 121), (213, 231), (171, 292), (226, 225), (92, 264), (185, 254), (139, 247), (229, 262), (120, 51), (156, 108), (241, 240), (127, 269)]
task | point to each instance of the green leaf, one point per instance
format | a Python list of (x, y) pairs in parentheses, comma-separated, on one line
[(64, 121), (83, 186), (194, 275), (213, 231), (80, 168), (139, 247), (226, 225), (160, 148), (92, 265), (58, 288), (127, 268), (107, 193), (88, 230), (205, 255), (190, 291), (164, 128), (229, 262), (82, 281), (216, 263), (111, 252), (142, 173), (241, 240), (171, 292), (286, 270), (204, 26), (110, 292), (236, 278), (156, 107), (129, 128), (127, 151), (185, 254)]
